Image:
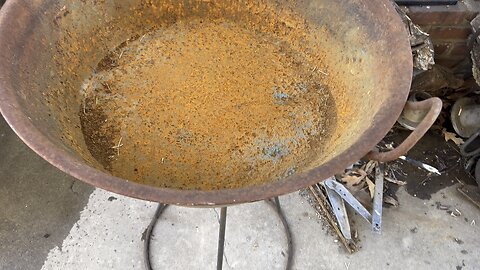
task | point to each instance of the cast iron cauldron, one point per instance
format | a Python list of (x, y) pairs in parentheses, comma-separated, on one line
[(278, 94)]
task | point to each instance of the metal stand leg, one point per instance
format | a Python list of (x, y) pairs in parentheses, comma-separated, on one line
[(221, 237), (148, 235), (275, 203), (288, 233)]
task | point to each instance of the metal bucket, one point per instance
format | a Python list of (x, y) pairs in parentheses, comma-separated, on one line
[(189, 141)]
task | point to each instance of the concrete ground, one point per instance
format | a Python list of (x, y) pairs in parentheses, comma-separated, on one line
[(38, 204), (50, 221)]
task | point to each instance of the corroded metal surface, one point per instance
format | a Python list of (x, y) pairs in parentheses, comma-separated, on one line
[(433, 107), (206, 105), (358, 48)]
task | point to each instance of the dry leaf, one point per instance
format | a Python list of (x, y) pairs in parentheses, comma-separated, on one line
[(390, 200), (395, 181), (368, 168), (361, 172), (450, 136), (371, 187), (354, 178), (351, 180)]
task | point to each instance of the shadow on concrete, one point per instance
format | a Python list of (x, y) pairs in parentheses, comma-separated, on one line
[(38, 204)]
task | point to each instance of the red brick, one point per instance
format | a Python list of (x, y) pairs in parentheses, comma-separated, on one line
[(441, 48), (450, 32), (459, 14), (459, 49), (448, 62), (425, 28)]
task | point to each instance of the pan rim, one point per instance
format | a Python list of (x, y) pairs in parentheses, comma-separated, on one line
[(66, 162)]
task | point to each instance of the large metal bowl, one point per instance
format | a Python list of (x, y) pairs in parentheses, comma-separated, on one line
[(49, 47)]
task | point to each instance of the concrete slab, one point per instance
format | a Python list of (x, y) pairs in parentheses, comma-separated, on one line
[(38, 204), (108, 236), (416, 235)]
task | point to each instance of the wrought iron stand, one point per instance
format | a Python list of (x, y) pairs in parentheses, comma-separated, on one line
[(274, 203)]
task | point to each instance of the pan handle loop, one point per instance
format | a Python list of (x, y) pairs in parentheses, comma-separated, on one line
[(434, 106)]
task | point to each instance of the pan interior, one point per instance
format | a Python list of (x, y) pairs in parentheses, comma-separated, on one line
[(202, 95), (206, 104)]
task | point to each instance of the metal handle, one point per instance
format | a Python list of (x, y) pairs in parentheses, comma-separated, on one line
[(434, 106)]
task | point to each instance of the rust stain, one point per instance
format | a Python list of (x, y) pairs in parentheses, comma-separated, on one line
[(265, 60), (207, 104)]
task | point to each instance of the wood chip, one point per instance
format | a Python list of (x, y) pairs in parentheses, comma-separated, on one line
[(371, 187), (390, 200), (368, 168), (395, 181)]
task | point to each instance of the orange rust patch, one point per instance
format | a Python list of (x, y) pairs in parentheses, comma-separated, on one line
[(207, 105)]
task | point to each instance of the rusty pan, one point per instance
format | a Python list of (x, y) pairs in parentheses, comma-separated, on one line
[(204, 103)]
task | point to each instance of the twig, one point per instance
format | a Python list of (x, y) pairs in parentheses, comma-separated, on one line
[(118, 146), (395, 181), (316, 69), (85, 94), (425, 180), (324, 73), (454, 148), (330, 218)]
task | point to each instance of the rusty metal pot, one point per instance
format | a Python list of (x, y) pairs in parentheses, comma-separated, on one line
[(50, 47)]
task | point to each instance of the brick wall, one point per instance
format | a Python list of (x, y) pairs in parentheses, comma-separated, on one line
[(449, 28)]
